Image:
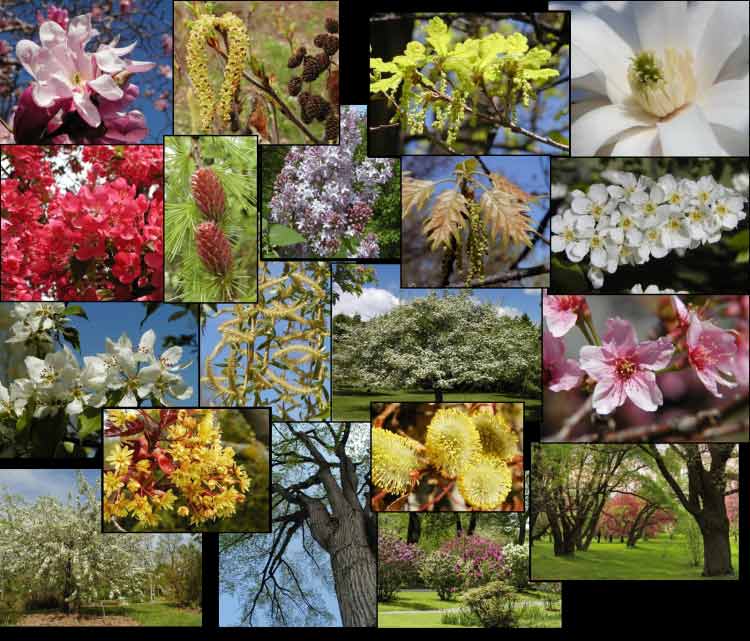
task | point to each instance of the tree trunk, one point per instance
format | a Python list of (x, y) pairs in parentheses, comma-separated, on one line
[(717, 557), (459, 527), (521, 527), (438, 395), (472, 524), (415, 528)]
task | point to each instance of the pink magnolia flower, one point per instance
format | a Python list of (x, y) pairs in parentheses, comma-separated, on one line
[(624, 369), (166, 42), (711, 352), (558, 374), (561, 312)]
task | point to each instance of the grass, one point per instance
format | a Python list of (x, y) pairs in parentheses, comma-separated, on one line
[(355, 405), (659, 558), (155, 613), (399, 612)]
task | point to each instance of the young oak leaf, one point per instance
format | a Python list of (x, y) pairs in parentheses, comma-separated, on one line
[(448, 217), (438, 36), (415, 194), (505, 207)]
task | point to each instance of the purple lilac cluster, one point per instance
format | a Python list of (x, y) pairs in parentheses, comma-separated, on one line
[(327, 196), (480, 559), (398, 564)]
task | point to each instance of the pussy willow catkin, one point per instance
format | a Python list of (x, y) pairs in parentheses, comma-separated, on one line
[(197, 64), (274, 352)]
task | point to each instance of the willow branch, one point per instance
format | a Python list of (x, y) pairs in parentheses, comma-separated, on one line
[(515, 274)]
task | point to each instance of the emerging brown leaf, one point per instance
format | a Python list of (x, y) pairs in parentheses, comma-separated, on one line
[(414, 194), (258, 120), (448, 217), (505, 208)]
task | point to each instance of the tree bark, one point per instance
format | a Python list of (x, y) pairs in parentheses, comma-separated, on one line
[(415, 528), (438, 395), (472, 524), (459, 526), (521, 528), (717, 557)]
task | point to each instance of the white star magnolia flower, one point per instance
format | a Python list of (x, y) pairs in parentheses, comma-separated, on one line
[(659, 78), (637, 219)]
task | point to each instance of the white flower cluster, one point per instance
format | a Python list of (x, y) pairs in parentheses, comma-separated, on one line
[(636, 218), (652, 289), (53, 380)]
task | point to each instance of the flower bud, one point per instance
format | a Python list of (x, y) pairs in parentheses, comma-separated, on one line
[(208, 193), (213, 248)]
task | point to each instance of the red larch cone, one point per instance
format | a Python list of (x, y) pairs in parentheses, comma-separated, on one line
[(213, 248), (208, 193)]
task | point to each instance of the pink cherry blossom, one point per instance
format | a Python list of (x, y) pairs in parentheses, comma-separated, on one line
[(561, 312), (711, 352), (742, 359), (624, 369), (558, 374)]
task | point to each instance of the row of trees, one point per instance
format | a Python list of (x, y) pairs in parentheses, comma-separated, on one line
[(581, 491), (438, 343), (55, 553)]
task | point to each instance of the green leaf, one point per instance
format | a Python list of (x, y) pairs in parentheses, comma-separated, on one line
[(558, 137), (742, 257), (46, 434), (415, 53), (69, 447), (386, 85), (71, 335), (76, 310), (739, 241), (25, 419), (567, 277), (438, 36), (540, 74), (89, 422), (536, 58), (281, 235)]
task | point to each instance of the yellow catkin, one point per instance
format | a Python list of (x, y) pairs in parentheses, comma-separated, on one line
[(238, 41), (496, 436), (452, 441), (486, 483), (394, 458), (197, 67)]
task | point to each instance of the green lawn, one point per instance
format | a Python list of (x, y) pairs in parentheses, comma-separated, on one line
[(400, 613), (355, 406), (660, 558), (156, 613)]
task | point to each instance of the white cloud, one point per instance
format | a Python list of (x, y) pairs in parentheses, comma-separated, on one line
[(374, 301), (531, 292), (511, 312)]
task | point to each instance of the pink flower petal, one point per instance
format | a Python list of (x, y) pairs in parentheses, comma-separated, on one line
[(594, 364), (26, 52), (655, 354), (641, 388), (105, 86), (608, 395), (621, 332), (108, 61), (87, 109), (139, 66), (51, 34)]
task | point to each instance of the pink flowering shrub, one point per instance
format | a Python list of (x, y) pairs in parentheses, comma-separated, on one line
[(72, 234), (398, 564), (480, 559), (325, 194)]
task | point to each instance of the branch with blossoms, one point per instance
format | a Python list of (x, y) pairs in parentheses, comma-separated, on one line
[(80, 96), (701, 344), (82, 223), (50, 405)]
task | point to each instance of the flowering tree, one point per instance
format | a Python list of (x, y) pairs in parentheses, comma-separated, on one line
[(78, 95), (630, 516), (653, 90), (636, 218), (322, 199), (398, 565), (707, 341), (49, 404), (49, 546), (82, 223)]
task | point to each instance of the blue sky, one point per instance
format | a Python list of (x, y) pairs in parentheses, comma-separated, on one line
[(31, 484), (110, 320), (531, 173), (147, 28), (384, 294), (211, 336)]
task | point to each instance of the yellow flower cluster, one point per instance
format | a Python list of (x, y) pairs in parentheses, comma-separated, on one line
[(205, 482), (238, 44), (474, 450)]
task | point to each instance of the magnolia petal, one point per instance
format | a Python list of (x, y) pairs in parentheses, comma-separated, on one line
[(699, 13), (139, 66), (46, 93), (599, 126), (108, 61), (724, 32), (105, 86), (731, 142), (689, 134), (727, 104), (662, 24), (87, 109), (51, 34), (638, 142), (26, 52)]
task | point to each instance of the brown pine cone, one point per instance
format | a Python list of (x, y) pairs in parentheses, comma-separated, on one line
[(213, 248), (311, 69), (319, 40), (323, 60), (324, 109), (294, 86), (330, 45), (296, 58), (332, 127), (208, 193), (332, 25), (305, 99)]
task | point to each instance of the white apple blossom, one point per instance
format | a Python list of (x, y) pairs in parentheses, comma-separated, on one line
[(659, 78), (570, 234)]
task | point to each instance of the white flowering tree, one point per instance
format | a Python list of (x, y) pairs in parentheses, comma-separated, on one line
[(57, 548), (439, 343)]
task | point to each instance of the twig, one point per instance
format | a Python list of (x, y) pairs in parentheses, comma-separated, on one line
[(267, 89), (539, 233), (386, 126), (515, 274), (572, 421)]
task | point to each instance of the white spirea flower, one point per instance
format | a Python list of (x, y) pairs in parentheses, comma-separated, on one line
[(637, 219), (659, 78)]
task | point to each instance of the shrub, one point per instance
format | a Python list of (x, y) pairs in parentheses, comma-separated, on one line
[(463, 617), (482, 558), (694, 540), (398, 564), (552, 594), (43, 601), (444, 572), (493, 604), (516, 561)]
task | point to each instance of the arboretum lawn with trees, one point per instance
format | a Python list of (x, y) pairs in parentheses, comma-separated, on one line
[(59, 569), (634, 511), (446, 347), (460, 570)]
